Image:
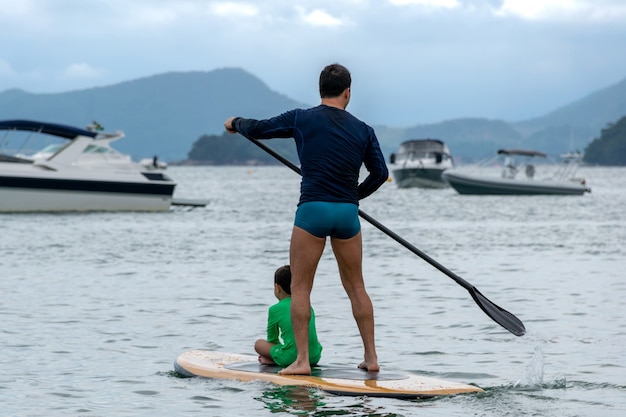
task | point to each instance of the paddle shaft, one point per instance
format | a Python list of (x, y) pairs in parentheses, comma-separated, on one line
[(375, 223), (498, 314)]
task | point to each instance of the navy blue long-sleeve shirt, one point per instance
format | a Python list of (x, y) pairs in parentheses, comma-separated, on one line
[(332, 145)]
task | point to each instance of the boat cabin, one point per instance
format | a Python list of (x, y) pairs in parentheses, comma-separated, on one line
[(421, 149)]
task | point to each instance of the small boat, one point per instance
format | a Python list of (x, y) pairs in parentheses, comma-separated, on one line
[(420, 163), (562, 181), (84, 173)]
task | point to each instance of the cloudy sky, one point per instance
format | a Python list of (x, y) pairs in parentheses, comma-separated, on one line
[(412, 61)]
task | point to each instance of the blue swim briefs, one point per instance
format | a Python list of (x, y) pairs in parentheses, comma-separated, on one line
[(321, 219)]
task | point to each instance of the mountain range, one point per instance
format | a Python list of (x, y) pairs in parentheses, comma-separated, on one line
[(165, 114)]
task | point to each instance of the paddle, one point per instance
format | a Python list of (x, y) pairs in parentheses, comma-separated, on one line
[(498, 314)]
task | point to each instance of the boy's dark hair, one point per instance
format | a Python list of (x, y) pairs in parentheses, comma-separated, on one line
[(282, 277), (334, 79)]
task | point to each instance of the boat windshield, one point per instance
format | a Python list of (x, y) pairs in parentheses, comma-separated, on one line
[(52, 148), (421, 149), (98, 149)]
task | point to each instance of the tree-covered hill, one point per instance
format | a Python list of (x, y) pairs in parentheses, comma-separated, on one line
[(227, 149), (469, 139), (573, 126), (162, 114), (610, 147), (165, 114)]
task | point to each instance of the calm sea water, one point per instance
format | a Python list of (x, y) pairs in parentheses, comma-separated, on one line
[(94, 308)]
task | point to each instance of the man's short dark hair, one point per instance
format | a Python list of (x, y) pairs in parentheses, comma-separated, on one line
[(282, 277), (334, 79)]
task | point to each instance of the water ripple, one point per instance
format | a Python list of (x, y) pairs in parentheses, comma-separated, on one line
[(95, 307)]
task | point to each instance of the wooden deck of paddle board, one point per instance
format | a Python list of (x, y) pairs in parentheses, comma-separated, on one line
[(335, 380)]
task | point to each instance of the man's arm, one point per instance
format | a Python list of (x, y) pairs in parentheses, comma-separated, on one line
[(281, 126), (376, 166)]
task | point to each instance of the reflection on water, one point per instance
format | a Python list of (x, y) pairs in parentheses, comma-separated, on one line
[(295, 399), (300, 401)]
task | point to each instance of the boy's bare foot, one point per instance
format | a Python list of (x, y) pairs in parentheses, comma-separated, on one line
[(369, 367), (296, 369), (264, 361)]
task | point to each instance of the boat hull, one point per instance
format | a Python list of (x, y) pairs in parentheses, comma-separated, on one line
[(466, 184), (419, 177), (37, 194), (16, 200)]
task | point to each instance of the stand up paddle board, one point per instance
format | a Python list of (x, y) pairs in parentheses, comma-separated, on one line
[(332, 379)]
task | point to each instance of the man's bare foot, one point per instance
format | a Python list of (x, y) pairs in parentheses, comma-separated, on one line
[(296, 369), (369, 367)]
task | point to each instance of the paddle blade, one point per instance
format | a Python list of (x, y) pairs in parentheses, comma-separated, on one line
[(498, 314)]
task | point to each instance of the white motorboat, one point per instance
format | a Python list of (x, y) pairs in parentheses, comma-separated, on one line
[(82, 174), (420, 163), (562, 181)]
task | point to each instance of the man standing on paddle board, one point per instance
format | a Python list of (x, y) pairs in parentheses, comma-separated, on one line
[(332, 146)]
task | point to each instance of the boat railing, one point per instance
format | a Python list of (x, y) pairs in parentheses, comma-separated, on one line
[(566, 170), (528, 166), (6, 147)]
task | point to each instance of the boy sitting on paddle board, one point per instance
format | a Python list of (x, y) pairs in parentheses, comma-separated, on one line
[(280, 346)]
